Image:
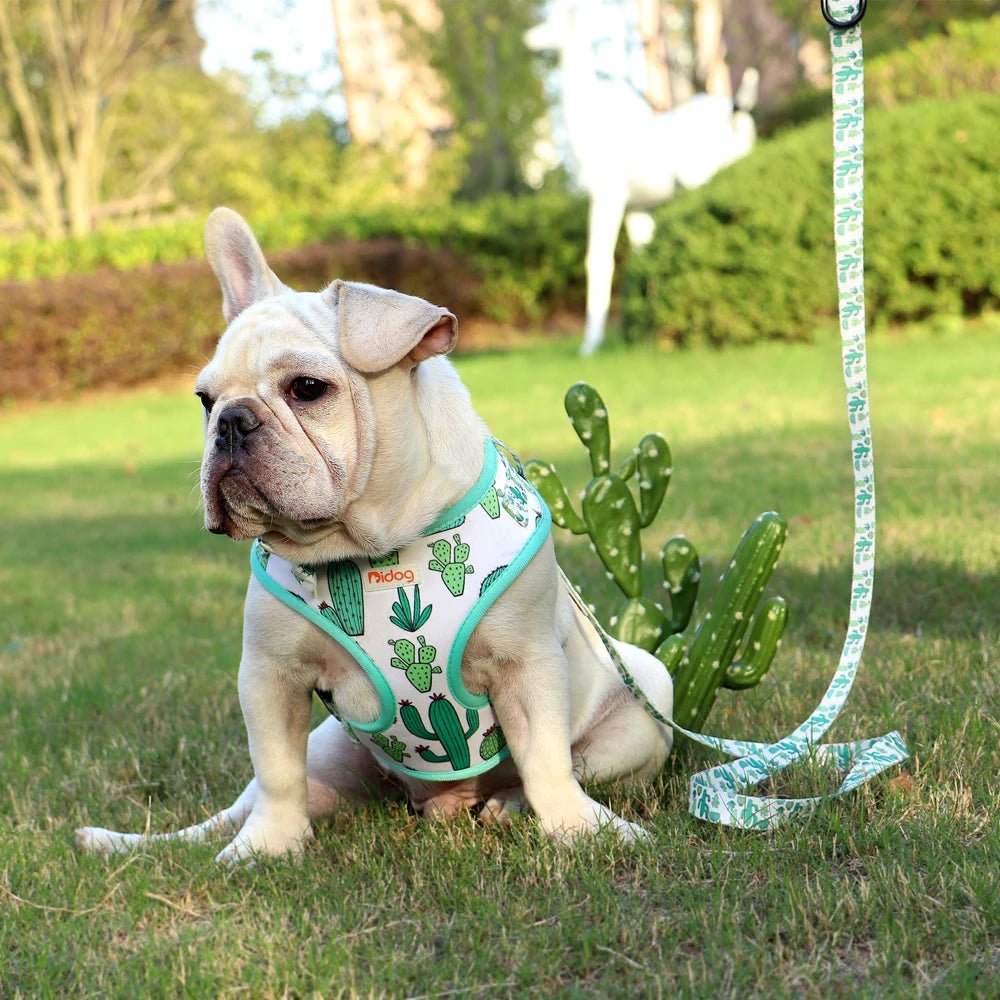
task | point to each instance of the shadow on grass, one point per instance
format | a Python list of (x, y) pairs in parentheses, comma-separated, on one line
[(132, 532)]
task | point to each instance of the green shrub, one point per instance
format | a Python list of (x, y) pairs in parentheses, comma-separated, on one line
[(750, 255), (962, 59), (506, 261)]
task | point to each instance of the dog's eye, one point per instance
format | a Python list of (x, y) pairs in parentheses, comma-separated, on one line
[(306, 389), (206, 401)]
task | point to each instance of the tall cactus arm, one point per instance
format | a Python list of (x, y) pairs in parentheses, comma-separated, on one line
[(546, 480), (671, 652), (589, 417), (640, 622), (654, 465), (768, 626), (718, 636), (613, 525), (681, 576)]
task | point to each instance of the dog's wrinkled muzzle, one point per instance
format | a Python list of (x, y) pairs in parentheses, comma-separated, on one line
[(234, 505)]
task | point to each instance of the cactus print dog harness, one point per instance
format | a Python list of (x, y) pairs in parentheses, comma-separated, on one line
[(407, 616)]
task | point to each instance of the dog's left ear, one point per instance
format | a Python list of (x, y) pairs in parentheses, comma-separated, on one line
[(380, 328)]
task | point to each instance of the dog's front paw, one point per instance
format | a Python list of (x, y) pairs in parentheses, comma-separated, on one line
[(590, 817), (260, 837)]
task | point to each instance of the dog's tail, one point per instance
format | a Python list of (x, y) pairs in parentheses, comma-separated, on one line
[(97, 840)]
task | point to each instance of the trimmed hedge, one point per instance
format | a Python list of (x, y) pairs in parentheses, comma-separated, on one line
[(539, 233), (750, 255), (508, 261), (123, 327)]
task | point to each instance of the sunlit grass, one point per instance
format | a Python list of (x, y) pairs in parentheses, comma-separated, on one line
[(119, 635)]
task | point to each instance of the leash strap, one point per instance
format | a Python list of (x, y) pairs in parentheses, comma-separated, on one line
[(717, 795)]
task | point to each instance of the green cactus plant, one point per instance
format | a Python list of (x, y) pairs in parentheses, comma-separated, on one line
[(417, 663), (389, 559), (711, 660), (612, 517), (407, 618), (613, 520), (451, 563), (444, 728), (344, 579)]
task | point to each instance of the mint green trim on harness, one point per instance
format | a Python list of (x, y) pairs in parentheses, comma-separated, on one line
[(387, 704), (716, 795)]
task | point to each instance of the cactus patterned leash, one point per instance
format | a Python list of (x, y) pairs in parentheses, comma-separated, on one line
[(716, 795)]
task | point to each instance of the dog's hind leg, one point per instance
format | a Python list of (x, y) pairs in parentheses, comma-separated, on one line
[(625, 740)]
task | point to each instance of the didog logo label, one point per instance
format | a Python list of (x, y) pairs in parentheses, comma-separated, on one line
[(384, 578)]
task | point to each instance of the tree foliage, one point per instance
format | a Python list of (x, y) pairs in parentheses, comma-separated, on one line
[(105, 114), (65, 65), (493, 92)]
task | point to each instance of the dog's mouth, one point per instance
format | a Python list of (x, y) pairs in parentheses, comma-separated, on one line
[(235, 505)]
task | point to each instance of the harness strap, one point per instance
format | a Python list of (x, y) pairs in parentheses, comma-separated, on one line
[(718, 794)]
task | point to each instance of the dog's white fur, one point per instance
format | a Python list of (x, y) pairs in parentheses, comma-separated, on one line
[(362, 470)]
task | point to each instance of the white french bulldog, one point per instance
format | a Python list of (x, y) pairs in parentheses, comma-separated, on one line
[(336, 430)]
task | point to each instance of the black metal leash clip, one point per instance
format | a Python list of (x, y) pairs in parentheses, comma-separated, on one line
[(824, 6)]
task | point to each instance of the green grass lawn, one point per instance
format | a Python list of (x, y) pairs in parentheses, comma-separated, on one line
[(119, 638)]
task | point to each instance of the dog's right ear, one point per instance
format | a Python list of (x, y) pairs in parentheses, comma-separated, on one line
[(238, 263)]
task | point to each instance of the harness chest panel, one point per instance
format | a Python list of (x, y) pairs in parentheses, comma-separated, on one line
[(406, 618)]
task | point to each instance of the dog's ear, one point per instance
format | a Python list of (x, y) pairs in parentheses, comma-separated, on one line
[(380, 328), (238, 263)]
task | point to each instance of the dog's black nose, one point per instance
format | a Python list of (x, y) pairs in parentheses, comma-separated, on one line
[(234, 425)]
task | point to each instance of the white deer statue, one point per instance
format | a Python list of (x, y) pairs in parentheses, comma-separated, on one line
[(629, 157)]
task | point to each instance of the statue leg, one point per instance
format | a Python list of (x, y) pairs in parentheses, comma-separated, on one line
[(606, 212)]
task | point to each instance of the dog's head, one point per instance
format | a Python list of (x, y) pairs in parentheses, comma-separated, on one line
[(294, 392)]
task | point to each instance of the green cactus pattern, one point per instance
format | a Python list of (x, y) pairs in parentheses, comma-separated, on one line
[(418, 663), (712, 658), (615, 507), (515, 502), (444, 728), (492, 743), (407, 618), (391, 746), (389, 559), (491, 503), (490, 579), (451, 563), (344, 579)]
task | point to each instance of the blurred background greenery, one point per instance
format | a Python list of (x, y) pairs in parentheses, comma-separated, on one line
[(431, 165)]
